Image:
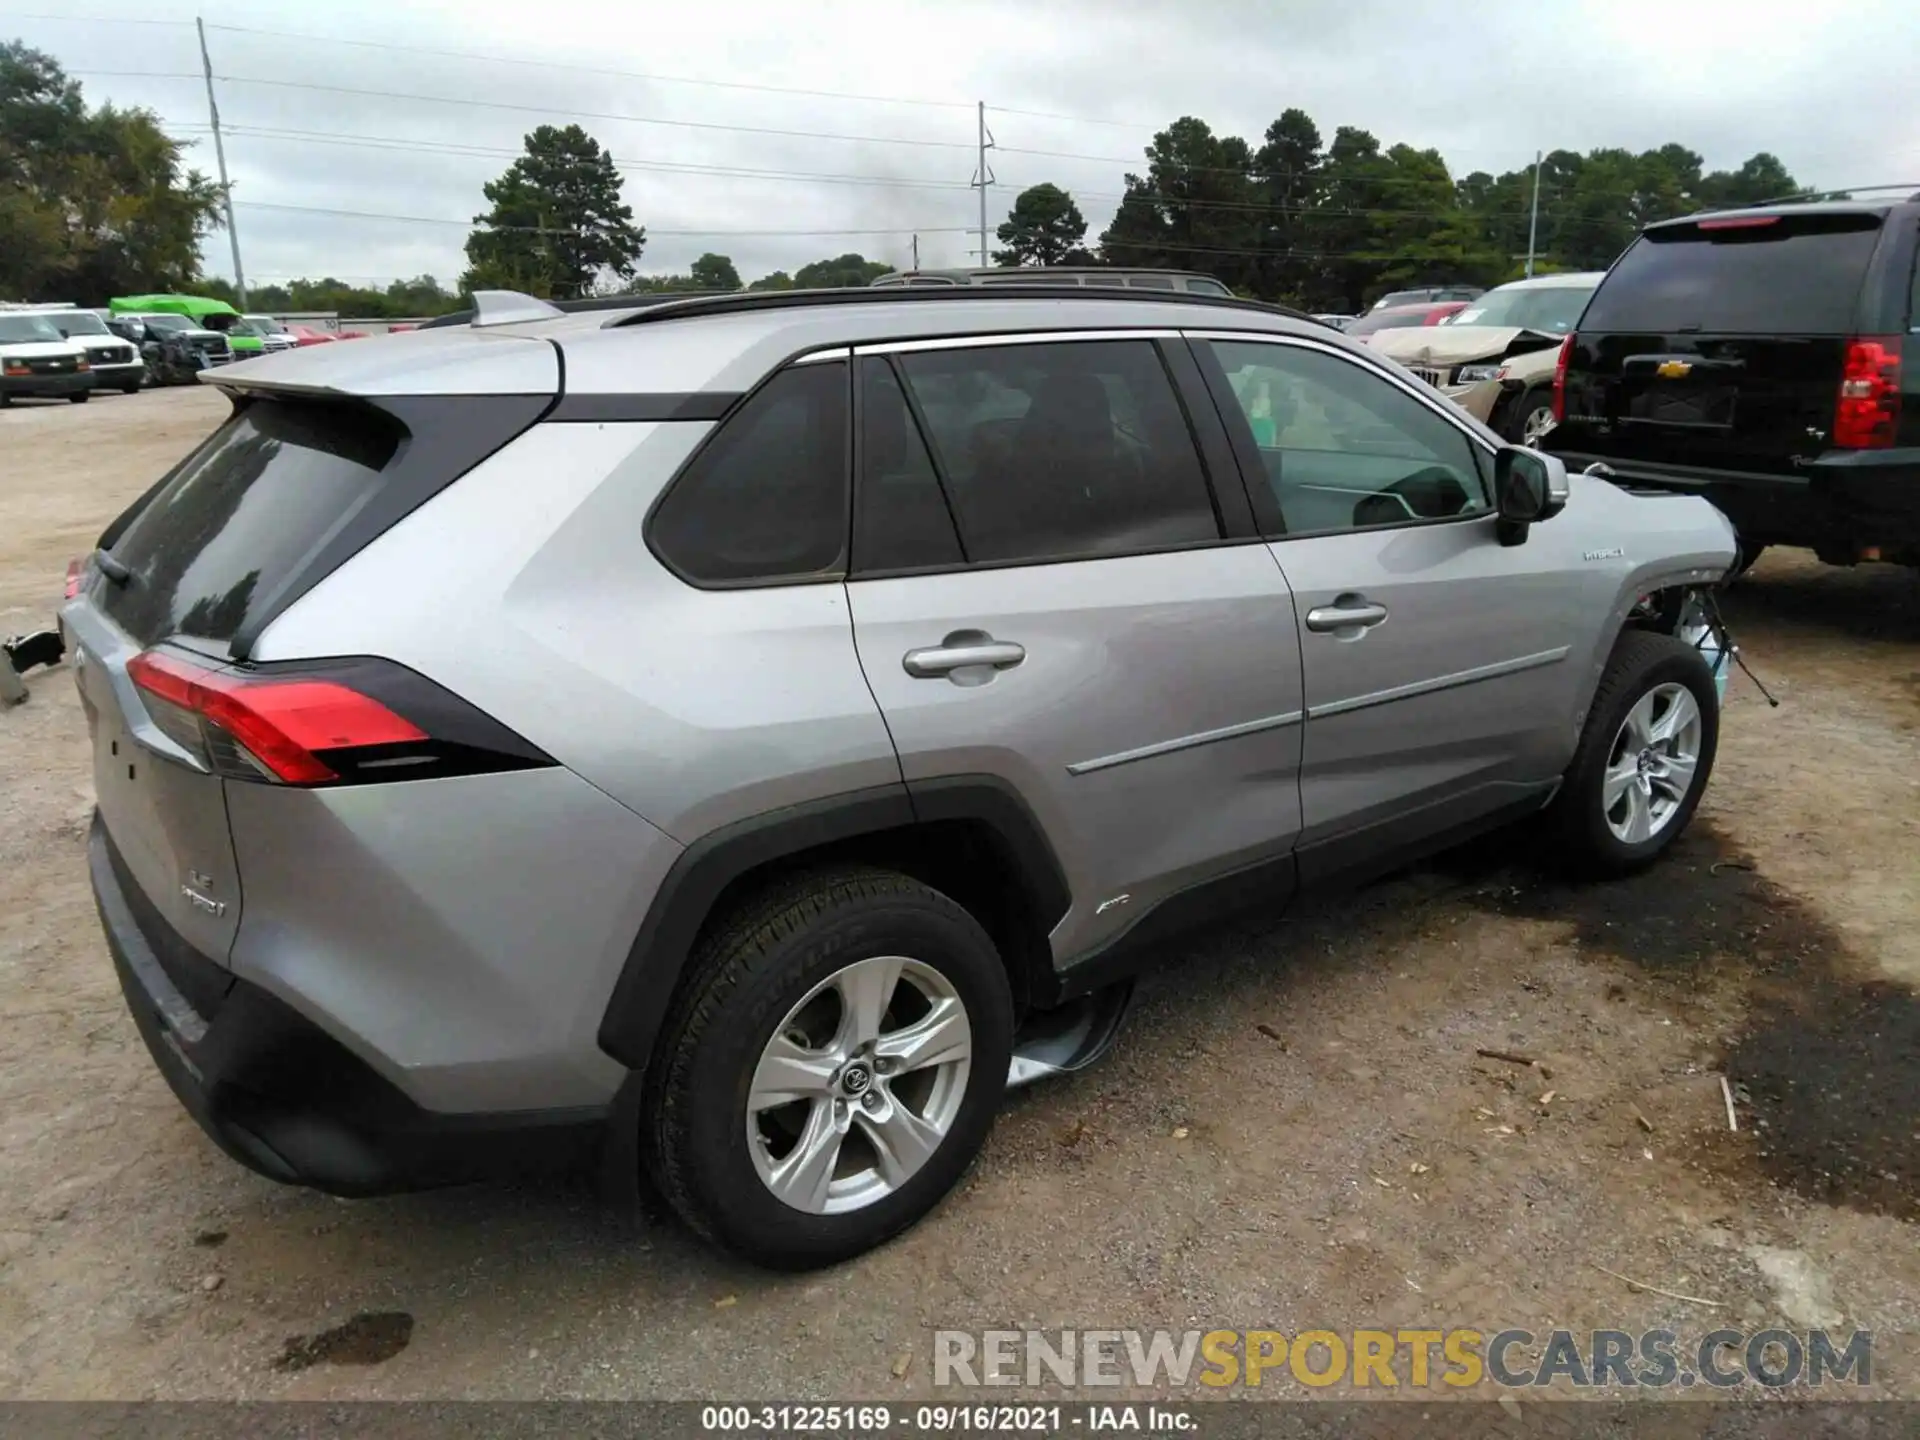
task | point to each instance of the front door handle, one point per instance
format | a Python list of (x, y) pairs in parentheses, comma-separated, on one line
[(1348, 612), (960, 651)]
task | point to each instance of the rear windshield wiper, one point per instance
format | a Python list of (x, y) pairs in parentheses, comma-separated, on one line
[(117, 571)]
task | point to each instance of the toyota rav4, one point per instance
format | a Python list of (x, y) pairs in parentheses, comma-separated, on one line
[(746, 735)]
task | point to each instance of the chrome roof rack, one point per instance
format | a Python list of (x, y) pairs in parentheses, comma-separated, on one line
[(508, 307)]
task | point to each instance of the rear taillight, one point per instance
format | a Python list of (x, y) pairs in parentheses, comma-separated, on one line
[(76, 576), (333, 722), (1560, 379), (1869, 410)]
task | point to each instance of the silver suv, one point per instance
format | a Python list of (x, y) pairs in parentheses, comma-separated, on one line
[(741, 737)]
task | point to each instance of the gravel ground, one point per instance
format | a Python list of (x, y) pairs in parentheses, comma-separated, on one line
[(1296, 1131)]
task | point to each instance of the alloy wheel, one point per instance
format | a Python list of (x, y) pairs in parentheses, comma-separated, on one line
[(859, 1085), (1652, 764)]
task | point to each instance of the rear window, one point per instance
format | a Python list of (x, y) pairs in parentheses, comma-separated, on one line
[(243, 515), (1388, 320), (1791, 275)]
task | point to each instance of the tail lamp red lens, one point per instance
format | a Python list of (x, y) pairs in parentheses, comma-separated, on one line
[(282, 724), (1560, 379), (76, 575), (1869, 410)]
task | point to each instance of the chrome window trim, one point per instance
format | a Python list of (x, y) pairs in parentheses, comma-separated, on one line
[(813, 357), (1446, 409), (1011, 337)]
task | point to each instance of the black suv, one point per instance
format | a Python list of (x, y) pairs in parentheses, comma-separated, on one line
[(1755, 357)]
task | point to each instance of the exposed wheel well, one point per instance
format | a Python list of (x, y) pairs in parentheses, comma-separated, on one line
[(968, 861)]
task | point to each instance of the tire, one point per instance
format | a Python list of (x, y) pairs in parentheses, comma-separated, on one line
[(747, 983), (133, 389), (81, 398), (1528, 408), (1643, 665)]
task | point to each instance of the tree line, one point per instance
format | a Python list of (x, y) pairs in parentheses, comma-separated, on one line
[(99, 202), (1331, 225)]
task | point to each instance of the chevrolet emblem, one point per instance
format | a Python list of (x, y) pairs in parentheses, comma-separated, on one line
[(1674, 369)]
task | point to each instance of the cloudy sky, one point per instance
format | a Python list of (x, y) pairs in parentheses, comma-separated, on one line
[(780, 133)]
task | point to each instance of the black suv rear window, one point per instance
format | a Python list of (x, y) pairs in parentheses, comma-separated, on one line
[(1777, 275), (244, 514)]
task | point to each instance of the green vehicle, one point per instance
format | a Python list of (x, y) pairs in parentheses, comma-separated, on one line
[(208, 314)]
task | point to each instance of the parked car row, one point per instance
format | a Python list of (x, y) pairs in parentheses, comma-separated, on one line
[(1757, 357), (1495, 355), (63, 351)]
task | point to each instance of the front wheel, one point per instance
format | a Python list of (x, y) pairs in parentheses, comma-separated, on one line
[(1529, 418), (1643, 758), (133, 389), (831, 1070), (81, 398)]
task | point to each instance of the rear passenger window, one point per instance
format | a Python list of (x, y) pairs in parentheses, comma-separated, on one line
[(1062, 451), (766, 498), (900, 521), (1151, 282)]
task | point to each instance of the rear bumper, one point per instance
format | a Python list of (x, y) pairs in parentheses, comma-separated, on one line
[(283, 1097), (1846, 499), (69, 383)]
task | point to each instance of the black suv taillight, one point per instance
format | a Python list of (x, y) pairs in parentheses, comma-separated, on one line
[(1869, 410), (330, 722), (1560, 379)]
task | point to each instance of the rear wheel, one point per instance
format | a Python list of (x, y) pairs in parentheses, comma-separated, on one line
[(133, 389), (832, 1069), (81, 398), (1643, 758)]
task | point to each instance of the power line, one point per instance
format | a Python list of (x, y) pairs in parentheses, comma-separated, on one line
[(592, 114), (562, 230), (671, 167), (117, 20), (597, 70)]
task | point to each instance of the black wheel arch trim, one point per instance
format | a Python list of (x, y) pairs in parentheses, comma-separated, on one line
[(651, 974)]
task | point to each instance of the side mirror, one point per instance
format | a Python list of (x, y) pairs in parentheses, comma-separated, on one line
[(1528, 487)]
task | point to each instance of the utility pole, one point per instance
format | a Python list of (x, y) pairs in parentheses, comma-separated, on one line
[(983, 177), (220, 156), (1533, 225), (916, 252)]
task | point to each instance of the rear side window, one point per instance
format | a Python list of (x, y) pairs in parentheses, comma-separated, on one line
[(765, 500), (1207, 287), (1781, 275), (1062, 451), (244, 515), (1151, 282)]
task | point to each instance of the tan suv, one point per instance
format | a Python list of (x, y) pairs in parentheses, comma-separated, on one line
[(1495, 358)]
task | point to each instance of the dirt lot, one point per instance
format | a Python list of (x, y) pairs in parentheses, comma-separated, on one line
[(1295, 1133)]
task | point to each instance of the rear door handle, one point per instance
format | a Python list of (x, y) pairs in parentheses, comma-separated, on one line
[(958, 653), (1349, 612)]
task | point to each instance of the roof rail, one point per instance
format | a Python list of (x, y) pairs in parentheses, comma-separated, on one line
[(935, 294), (1838, 192), (571, 307)]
